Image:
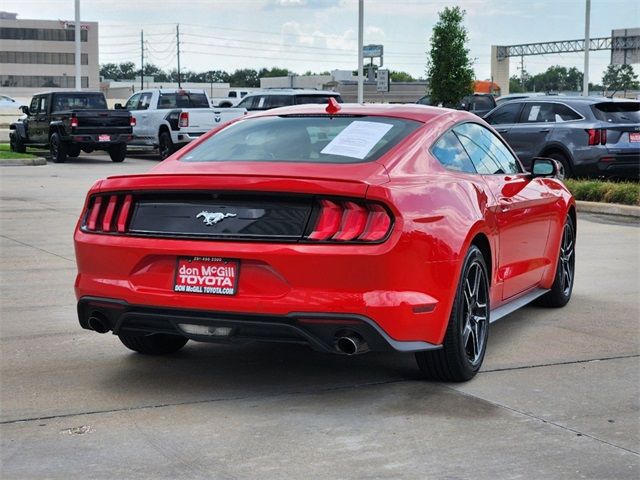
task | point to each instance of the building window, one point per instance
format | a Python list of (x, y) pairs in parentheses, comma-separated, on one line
[(43, 58), (46, 34), (42, 81)]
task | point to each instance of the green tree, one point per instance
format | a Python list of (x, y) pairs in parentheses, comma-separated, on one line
[(515, 84), (274, 72), (400, 76), (449, 69), (120, 71), (245, 77), (619, 77)]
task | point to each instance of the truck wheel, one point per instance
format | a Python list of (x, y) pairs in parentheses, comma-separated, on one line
[(166, 147), (58, 149), (16, 145), (118, 152), (74, 151)]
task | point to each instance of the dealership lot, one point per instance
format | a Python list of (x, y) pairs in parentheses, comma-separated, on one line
[(558, 396)]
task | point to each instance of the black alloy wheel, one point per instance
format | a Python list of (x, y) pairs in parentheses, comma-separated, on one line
[(465, 342), (562, 287), (166, 147), (58, 149)]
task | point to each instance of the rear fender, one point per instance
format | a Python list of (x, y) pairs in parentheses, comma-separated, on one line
[(56, 127)]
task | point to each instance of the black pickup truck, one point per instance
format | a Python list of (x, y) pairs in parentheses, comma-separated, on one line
[(67, 122)]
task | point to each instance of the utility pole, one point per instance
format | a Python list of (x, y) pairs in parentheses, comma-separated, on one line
[(587, 42), (522, 71), (77, 39), (178, 50), (141, 59), (360, 53)]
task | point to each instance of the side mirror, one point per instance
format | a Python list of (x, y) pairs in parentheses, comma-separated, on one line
[(118, 106), (546, 167), (25, 109)]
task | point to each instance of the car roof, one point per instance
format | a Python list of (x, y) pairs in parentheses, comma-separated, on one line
[(172, 90), (292, 91), (409, 111), (49, 92), (570, 99)]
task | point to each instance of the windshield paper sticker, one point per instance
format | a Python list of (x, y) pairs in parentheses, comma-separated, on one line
[(357, 139)]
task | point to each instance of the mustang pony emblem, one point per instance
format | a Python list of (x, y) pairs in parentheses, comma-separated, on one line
[(211, 218)]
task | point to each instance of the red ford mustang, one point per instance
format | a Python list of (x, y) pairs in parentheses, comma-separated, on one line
[(345, 227)]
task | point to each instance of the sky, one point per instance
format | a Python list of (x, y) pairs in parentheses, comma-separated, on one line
[(321, 35)]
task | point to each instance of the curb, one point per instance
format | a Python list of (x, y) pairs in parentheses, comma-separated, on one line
[(608, 209), (23, 162)]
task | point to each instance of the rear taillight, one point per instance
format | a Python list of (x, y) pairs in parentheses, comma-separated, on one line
[(74, 122), (132, 121), (184, 119), (597, 136), (108, 213), (348, 221)]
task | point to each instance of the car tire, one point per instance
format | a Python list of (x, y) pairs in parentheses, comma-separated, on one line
[(58, 149), (465, 341), (74, 151), (156, 344), (560, 292), (16, 144), (564, 161), (166, 147), (118, 152)]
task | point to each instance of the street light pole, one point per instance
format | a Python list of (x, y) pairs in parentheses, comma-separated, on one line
[(360, 58), (587, 42), (78, 47)]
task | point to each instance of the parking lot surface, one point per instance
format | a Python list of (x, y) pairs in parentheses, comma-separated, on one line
[(558, 396)]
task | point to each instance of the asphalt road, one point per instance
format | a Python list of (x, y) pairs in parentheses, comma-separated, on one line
[(558, 397)]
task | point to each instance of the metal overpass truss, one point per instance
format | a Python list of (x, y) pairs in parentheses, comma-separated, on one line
[(568, 46)]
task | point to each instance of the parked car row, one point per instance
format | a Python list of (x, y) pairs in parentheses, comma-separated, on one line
[(68, 122), (589, 136)]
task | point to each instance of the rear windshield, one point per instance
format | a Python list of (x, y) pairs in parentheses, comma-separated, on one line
[(183, 100), (78, 101), (315, 139), (618, 112)]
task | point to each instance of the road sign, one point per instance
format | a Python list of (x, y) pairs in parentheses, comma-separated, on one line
[(371, 51), (382, 84)]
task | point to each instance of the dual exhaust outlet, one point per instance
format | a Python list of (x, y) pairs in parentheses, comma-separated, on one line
[(98, 322)]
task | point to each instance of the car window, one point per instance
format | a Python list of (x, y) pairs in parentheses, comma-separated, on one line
[(42, 104), (315, 139), (132, 103), (488, 154), (617, 112), (233, 94), (482, 103), (449, 152), (33, 108), (274, 101), (538, 113), (507, 113), (564, 113), (246, 103), (145, 100), (318, 99), (182, 99), (79, 101)]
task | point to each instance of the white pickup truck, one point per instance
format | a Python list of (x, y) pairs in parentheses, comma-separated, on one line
[(167, 119)]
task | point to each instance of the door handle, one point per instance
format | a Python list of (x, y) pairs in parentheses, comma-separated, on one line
[(502, 130), (544, 130)]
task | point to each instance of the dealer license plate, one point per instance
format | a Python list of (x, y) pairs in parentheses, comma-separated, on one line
[(104, 138), (206, 275), (634, 137)]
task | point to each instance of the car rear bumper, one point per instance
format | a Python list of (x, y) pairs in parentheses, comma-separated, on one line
[(627, 166), (93, 140), (321, 331), (406, 299)]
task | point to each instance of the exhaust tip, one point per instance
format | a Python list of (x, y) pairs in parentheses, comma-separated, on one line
[(351, 344), (98, 322)]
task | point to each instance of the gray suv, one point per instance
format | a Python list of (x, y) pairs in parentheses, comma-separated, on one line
[(590, 136)]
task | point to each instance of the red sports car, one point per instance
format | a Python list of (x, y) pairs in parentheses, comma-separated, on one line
[(344, 227)]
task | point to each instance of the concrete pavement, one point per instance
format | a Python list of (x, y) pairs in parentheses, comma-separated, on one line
[(558, 396)]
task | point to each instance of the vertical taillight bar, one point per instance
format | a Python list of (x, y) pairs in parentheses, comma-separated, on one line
[(124, 214), (93, 215), (108, 215)]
